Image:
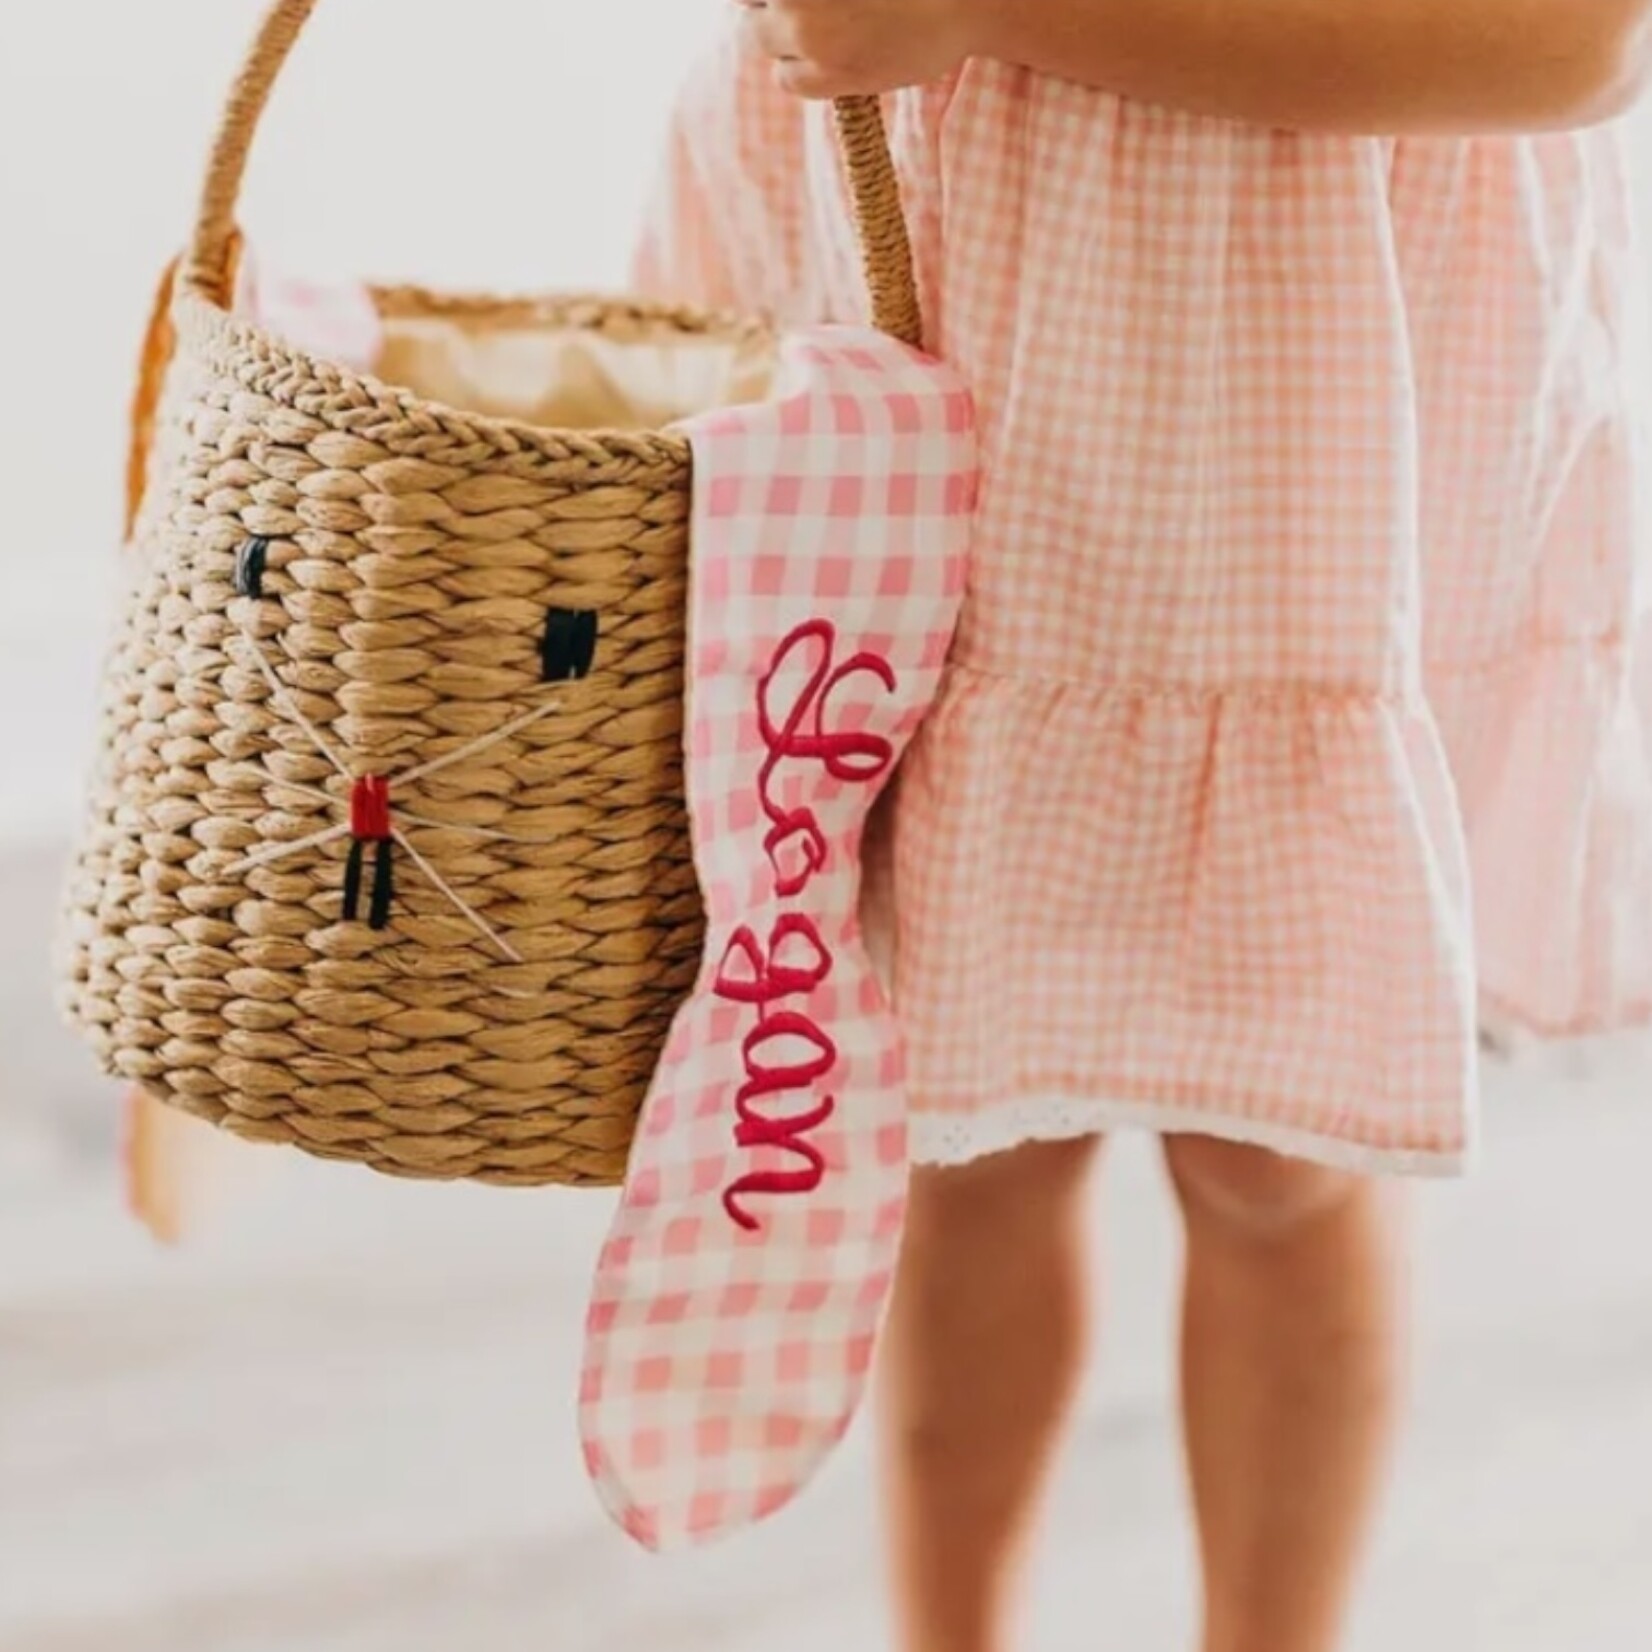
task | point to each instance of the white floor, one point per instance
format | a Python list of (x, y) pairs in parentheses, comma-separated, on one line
[(344, 1426)]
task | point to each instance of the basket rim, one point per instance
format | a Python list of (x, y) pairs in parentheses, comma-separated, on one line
[(294, 378)]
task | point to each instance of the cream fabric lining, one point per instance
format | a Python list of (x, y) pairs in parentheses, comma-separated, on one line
[(572, 378)]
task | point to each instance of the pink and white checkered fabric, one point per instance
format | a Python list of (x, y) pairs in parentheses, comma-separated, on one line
[(739, 1295), (1307, 592)]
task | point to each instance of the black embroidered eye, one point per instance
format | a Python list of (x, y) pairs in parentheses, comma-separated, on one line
[(569, 647), (249, 566)]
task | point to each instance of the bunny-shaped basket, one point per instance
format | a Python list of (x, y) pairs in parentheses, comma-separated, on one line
[(389, 856)]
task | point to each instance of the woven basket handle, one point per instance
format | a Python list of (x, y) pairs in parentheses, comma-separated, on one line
[(885, 245)]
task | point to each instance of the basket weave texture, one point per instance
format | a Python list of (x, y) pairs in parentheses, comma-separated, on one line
[(388, 857)]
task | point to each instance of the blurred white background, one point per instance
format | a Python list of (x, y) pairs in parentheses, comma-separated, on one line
[(345, 1422)]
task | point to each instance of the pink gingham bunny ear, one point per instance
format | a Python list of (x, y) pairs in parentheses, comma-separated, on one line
[(738, 1299), (334, 319)]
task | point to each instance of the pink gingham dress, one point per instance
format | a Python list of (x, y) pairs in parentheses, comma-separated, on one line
[(1298, 717)]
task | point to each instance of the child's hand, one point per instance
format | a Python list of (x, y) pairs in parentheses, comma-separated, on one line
[(839, 48)]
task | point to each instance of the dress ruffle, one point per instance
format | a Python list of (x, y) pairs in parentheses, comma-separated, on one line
[(1248, 906), (1362, 418), (1551, 749)]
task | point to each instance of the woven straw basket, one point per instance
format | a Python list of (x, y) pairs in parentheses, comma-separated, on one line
[(389, 857)]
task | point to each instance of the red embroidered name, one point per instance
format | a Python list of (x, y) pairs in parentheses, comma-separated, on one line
[(787, 1054)]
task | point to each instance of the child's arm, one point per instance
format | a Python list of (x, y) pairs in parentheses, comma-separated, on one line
[(1389, 66)]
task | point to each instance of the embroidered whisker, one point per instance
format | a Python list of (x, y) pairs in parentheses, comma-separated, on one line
[(475, 918), (371, 825), (273, 854)]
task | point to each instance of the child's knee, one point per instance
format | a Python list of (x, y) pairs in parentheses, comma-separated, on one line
[(1251, 1191), (998, 1203)]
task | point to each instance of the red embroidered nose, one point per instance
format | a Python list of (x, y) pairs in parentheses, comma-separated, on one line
[(370, 809), (370, 823)]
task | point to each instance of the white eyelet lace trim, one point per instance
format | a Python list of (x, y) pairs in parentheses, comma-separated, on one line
[(959, 1138)]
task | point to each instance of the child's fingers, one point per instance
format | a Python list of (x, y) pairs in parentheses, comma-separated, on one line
[(771, 30), (807, 64), (816, 82)]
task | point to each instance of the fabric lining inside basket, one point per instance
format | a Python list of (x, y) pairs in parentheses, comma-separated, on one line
[(571, 378)]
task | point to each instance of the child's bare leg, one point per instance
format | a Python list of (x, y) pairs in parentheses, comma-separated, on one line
[(984, 1354), (1290, 1370)]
